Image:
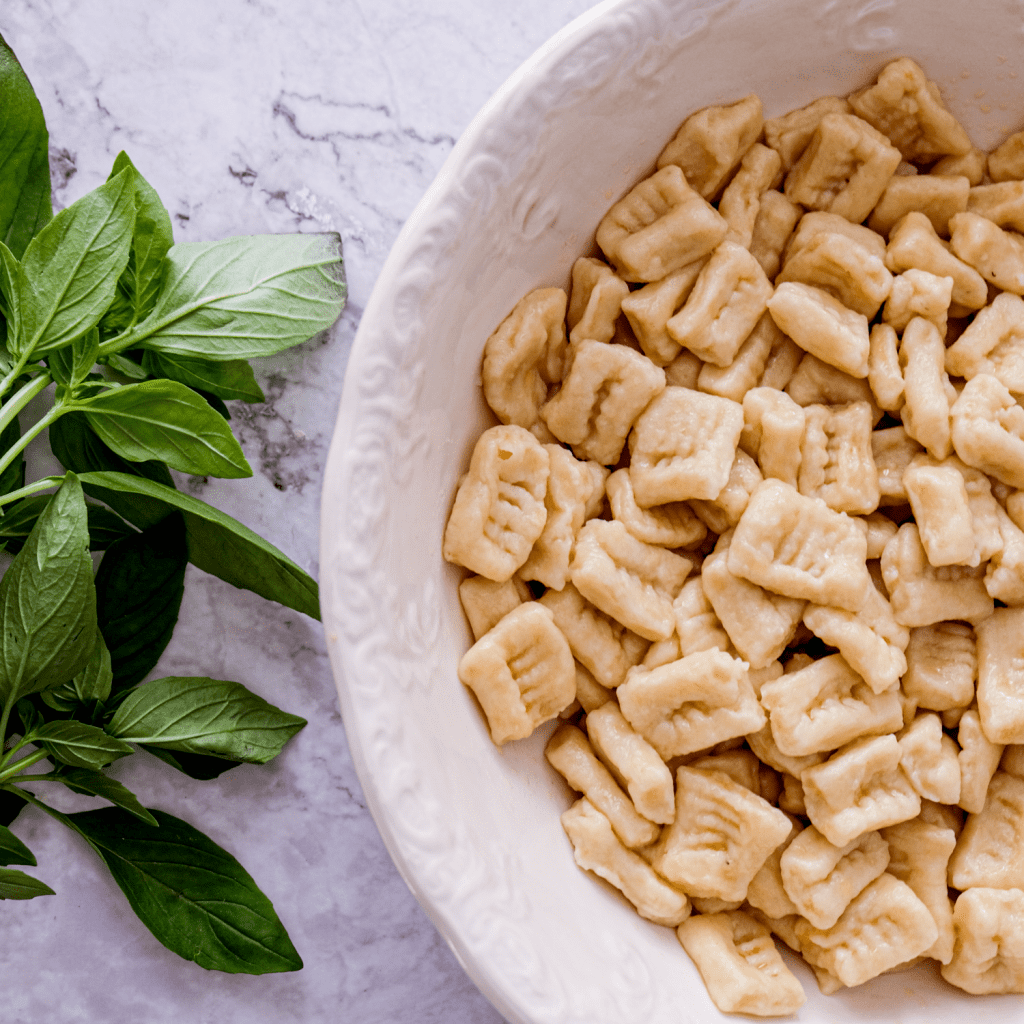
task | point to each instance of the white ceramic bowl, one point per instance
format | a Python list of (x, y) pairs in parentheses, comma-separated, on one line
[(473, 829)]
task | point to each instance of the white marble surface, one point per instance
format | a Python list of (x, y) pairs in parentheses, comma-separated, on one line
[(255, 116)]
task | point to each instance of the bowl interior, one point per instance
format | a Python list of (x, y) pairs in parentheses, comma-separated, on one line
[(474, 829)]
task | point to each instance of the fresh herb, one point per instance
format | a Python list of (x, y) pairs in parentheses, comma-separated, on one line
[(91, 298)]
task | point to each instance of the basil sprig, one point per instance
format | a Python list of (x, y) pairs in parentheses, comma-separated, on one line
[(138, 342)]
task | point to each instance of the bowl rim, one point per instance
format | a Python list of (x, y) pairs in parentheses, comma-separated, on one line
[(559, 44), (518, 84)]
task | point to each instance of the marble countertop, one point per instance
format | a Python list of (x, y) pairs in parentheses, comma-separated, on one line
[(253, 116)]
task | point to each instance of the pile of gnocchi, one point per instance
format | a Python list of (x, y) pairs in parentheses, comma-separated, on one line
[(751, 529)]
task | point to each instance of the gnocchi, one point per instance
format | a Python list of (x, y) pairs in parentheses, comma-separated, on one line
[(750, 536)]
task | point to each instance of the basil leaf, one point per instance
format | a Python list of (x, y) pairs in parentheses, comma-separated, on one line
[(71, 365), (91, 684), (73, 265), (25, 204), (16, 885), (153, 236), (79, 450), (78, 744), (196, 766), (139, 587), (216, 404), (17, 296), (91, 783), (95, 680), (12, 849), (244, 297), (231, 379), (48, 601), (199, 715), (29, 715), (162, 419), (220, 545), (189, 892), (127, 367), (118, 317), (104, 526)]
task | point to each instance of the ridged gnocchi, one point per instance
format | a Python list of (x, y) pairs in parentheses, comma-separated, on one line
[(750, 537)]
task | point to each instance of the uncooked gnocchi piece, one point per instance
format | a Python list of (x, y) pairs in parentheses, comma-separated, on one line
[(758, 623), (597, 849), (885, 926), (740, 965), (822, 880), (990, 850), (600, 643), (634, 762), (672, 525), (988, 955), (633, 582), (844, 168), (660, 226), (919, 855), (797, 546), (691, 704), (572, 756), (826, 705), (908, 109), (607, 388), (499, 508), (823, 326), (524, 355), (683, 446), (711, 143), (860, 788), (721, 836), (729, 297), (521, 671)]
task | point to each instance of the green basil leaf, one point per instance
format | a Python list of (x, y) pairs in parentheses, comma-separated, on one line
[(244, 297), (139, 587), (28, 715), (153, 236), (220, 545), (82, 695), (127, 367), (48, 601), (189, 892), (232, 379), (16, 885), (162, 419), (199, 715), (104, 526), (92, 783), (95, 680), (13, 850), (79, 450), (216, 404), (78, 744), (118, 317), (18, 297), (25, 204), (71, 365), (196, 766), (73, 265)]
